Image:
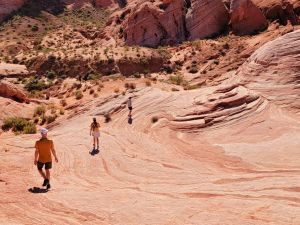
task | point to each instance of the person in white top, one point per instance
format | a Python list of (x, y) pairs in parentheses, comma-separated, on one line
[(129, 104)]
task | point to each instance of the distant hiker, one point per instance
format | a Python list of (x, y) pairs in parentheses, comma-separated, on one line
[(129, 104), (95, 132), (42, 156)]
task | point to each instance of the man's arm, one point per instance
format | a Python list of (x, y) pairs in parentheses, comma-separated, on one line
[(36, 155), (54, 153)]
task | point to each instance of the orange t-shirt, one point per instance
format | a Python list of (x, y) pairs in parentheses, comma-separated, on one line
[(44, 147)]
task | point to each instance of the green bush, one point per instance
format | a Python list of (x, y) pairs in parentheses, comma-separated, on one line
[(51, 75), (177, 79), (18, 125), (93, 76), (35, 85), (50, 119), (78, 94), (30, 128), (40, 110), (34, 28)]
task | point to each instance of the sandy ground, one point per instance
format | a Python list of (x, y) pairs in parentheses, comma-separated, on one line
[(244, 170)]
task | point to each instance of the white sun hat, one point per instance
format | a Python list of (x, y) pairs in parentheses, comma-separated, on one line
[(44, 131)]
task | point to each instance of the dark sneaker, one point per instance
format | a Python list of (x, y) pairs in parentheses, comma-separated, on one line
[(46, 181), (48, 186)]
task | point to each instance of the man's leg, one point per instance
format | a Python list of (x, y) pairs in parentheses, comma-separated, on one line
[(48, 166), (42, 173), (97, 143), (48, 174)]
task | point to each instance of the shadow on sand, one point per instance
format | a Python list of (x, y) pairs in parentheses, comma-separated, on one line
[(37, 190), (94, 151)]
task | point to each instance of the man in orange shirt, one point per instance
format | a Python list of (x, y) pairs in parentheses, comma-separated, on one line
[(42, 156)]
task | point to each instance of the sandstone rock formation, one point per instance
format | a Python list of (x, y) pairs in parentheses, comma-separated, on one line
[(282, 11), (9, 90), (274, 71), (206, 18), (12, 70), (154, 24), (246, 18), (8, 6)]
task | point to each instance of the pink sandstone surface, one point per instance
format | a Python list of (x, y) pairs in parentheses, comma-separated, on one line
[(226, 154)]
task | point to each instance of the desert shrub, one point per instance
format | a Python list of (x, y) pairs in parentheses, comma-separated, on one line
[(43, 120), (148, 83), (51, 75), (39, 110), (61, 111), (154, 119), (96, 95), (30, 128), (93, 76), (36, 120), (50, 119), (137, 75), (110, 60), (34, 28), (193, 70), (99, 89), (18, 125), (78, 94), (174, 89), (130, 85), (177, 79), (77, 86), (35, 85), (117, 90), (92, 91), (63, 102)]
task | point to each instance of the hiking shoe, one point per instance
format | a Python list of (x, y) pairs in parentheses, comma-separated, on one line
[(48, 186), (46, 181)]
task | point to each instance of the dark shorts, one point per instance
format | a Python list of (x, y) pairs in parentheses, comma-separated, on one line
[(40, 165), (130, 108)]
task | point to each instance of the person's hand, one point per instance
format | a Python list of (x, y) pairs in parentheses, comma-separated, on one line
[(56, 160), (35, 162)]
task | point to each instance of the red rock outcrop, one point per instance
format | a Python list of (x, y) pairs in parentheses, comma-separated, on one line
[(246, 18), (206, 18), (13, 70), (283, 11), (9, 90), (274, 71), (154, 24), (8, 6)]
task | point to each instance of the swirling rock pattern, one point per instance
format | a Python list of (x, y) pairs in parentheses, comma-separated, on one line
[(274, 71)]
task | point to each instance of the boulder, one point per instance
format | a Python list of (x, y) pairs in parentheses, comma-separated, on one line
[(153, 24), (9, 90), (274, 71), (283, 11), (246, 18), (206, 18)]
